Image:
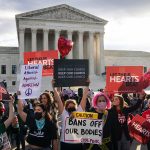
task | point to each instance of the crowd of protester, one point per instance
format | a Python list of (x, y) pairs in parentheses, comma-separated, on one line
[(40, 122)]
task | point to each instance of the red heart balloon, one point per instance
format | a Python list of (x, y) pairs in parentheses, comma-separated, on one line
[(64, 46)]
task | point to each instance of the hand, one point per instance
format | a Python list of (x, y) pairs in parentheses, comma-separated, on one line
[(53, 83), (11, 100), (88, 81)]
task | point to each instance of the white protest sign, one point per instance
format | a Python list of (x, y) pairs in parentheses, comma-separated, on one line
[(83, 130), (30, 81)]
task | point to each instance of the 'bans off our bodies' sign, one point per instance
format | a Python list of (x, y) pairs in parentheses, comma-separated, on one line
[(46, 58), (30, 82), (124, 79), (85, 130)]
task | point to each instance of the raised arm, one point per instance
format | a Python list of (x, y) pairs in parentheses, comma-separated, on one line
[(137, 105), (21, 113), (57, 98), (84, 97), (11, 113)]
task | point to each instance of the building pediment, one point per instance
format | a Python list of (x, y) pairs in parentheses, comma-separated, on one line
[(63, 13)]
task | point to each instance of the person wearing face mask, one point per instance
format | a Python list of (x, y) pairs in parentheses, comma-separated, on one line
[(66, 111), (4, 141), (42, 130), (122, 112), (101, 105)]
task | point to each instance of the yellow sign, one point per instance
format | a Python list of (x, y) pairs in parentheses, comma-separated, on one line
[(83, 115)]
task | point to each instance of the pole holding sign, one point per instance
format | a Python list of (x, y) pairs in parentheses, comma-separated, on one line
[(30, 82)]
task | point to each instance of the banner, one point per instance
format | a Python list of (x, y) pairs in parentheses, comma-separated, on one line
[(71, 72), (30, 82), (46, 58), (139, 129), (4, 95), (124, 79), (83, 130), (146, 115)]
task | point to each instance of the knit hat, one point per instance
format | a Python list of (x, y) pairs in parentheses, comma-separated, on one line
[(94, 101)]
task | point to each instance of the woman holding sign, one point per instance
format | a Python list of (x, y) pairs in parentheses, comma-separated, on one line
[(42, 130), (122, 111), (65, 112), (101, 105)]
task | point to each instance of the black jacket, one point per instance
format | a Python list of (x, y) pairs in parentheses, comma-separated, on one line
[(121, 123)]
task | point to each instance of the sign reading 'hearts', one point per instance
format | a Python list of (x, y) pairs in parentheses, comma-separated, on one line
[(64, 46)]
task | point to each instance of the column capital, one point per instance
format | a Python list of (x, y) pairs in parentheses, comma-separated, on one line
[(45, 30), (34, 30), (91, 33), (57, 30), (80, 32), (22, 30), (69, 31)]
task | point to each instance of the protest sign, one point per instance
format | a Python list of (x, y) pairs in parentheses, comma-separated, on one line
[(83, 129), (46, 58), (30, 82), (71, 72), (124, 79), (139, 129), (83, 115), (4, 95), (146, 115)]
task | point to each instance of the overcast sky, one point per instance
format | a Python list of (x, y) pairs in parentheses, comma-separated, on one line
[(128, 26)]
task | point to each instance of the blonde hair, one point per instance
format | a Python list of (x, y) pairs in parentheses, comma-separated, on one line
[(67, 102)]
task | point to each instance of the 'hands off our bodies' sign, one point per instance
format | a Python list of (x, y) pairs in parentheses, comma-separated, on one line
[(30, 81), (83, 130)]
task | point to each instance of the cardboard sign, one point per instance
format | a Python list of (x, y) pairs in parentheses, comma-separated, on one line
[(124, 79), (139, 129), (83, 115), (146, 115), (83, 131), (71, 72), (46, 58), (30, 82), (4, 95)]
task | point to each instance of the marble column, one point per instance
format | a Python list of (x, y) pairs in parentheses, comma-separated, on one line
[(45, 40), (57, 34), (69, 35), (21, 44), (34, 39), (91, 53), (98, 54), (80, 42), (102, 63)]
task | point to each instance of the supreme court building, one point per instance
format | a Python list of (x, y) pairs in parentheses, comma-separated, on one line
[(39, 30)]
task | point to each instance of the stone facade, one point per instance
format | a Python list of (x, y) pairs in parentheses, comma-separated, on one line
[(9, 56)]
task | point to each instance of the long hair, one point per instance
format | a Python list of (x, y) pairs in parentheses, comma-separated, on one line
[(47, 114), (67, 102), (121, 99), (51, 106)]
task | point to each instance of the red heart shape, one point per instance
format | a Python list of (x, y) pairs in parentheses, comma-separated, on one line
[(64, 46)]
